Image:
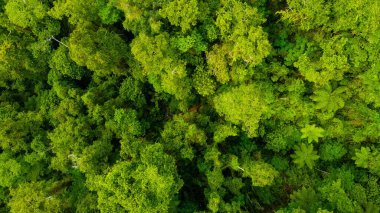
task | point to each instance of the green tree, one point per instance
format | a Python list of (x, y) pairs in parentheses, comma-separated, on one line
[(100, 50), (245, 105), (335, 194), (148, 183), (367, 158), (261, 173), (304, 155), (332, 151), (305, 198), (312, 133), (181, 13), (34, 197)]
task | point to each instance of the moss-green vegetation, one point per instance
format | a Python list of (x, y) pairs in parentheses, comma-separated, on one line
[(189, 106)]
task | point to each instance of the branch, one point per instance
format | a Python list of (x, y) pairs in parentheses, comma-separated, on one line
[(52, 37)]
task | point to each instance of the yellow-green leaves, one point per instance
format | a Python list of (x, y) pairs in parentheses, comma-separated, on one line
[(34, 197), (369, 159), (100, 50), (77, 11), (334, 192), (237, 19), (369, 87), (224, 131), (217, 61), (125, 123), (25, 13), (242, 105), (362, 157), (180, 136), (312, 133), (109, 14), (151, 52), (31, 17), (307, 15), (261, 173), (182, 13), (149, 183), (243, 41), (304, 155), (328, 100), (161, 65), (10, 170), (203, 82), (62, 63)]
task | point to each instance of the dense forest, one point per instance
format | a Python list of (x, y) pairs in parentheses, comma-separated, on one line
[(148, 106)]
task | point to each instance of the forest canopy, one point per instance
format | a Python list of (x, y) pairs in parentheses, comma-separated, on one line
[(190, 106)]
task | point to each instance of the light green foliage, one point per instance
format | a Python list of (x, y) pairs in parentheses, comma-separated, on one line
[(203, 82), (328, 100), (189, 106), (94, 157), (17, 64), (307, 14), (67, 141), (159, 64), (224, 131), (218, 63), (282, 139), (34, 197), (17, 129), (62, 63), (181, 13), (369, 87), (214, 200), (99, 50), (331, 65), (125, 123), (365, 122), (10, 170), (367, 158), (32, 15), (146, 184), (304, 155), (142, 16), (179, 136), (131, 90), (109, 14), (335, 194), (362, 157), (323, 211), (194, 41), (239, 26), (362, 17), (234, 185), (215, 179), (244, 41), (25, 14), (244, 105), (78, 11), (312, 133), (261, 173)]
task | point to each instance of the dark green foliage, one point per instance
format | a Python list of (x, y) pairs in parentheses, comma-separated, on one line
[(332, 151), (305, 198), (190, 106)]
